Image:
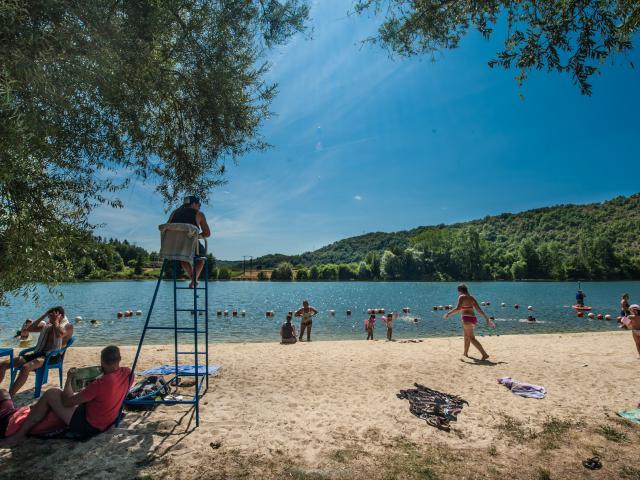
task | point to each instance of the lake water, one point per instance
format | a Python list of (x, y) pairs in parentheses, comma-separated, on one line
[(102, 300)]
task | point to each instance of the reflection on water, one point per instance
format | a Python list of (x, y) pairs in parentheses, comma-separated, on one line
[(100, 301)]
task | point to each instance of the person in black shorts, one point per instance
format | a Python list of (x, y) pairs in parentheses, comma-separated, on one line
[(54, 334), (190, 212), (288, 332)]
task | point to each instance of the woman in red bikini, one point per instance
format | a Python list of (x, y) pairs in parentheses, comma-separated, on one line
[(466, 306)]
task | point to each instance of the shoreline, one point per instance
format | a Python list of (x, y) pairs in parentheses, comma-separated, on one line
[(320, 339), (329, 410)]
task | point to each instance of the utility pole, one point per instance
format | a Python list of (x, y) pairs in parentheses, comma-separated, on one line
[(244, 265)]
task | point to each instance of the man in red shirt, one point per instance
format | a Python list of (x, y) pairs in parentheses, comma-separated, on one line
[(88, 412)]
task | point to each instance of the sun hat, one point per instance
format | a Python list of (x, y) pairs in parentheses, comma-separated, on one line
[(635, 306)]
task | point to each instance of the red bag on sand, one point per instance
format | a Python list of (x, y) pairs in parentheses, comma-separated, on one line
[(50, 423)]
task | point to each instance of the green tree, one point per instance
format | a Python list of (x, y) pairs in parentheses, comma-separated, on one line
[(302, 274), (573, 37), (165, 90), (284, 272), (314, 273), (373, 260), (364, 272), (531, 259), (137, 269), (390, 266), (224, 273), (328, 272), (345, 272), (262, 275)]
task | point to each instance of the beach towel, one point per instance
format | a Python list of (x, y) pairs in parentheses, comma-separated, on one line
[(43, 338), (523, 389), (436, 408), (51, 423), (178, 241), (631, 415), (182, 370)]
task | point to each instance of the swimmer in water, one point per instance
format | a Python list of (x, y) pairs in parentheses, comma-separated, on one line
[(466, 306)]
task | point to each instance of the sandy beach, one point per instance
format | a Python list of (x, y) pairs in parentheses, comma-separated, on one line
[(325, 410)]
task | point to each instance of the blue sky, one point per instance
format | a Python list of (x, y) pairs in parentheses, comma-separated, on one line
[(365, 142)]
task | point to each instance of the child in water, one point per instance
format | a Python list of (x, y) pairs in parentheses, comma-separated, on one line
[(632, 321), (389, 322), (368, 325)]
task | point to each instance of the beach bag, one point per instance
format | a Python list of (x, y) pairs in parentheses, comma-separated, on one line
[(146, 386)]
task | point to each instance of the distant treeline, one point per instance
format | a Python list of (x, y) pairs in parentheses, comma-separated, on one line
[(598, 241), (569, 242)]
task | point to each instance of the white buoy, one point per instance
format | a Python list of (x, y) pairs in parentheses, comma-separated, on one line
[(529, 307), (607, 317), (243, 313), (483, 303), (226, 313), (78, 318), (138, 312), (591, 315), (503, 304), (332, 312), (440, 307)]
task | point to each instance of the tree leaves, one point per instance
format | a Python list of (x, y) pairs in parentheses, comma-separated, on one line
[(95, 93), (574, 37)]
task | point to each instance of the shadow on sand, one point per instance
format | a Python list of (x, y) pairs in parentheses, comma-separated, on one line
[(477, 361), (120, 452)]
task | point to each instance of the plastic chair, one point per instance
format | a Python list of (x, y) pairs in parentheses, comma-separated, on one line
[(42, 373)]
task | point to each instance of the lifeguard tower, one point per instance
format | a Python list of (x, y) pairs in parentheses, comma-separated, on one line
[(179, 242)]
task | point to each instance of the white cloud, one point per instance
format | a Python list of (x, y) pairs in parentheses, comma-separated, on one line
[(357, 197)]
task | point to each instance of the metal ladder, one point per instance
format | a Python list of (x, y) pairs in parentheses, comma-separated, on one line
[(201, 371)]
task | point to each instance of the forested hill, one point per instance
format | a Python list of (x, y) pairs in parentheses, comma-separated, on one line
[(599, 240)]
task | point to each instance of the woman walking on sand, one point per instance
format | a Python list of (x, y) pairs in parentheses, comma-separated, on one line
[(466, 306)]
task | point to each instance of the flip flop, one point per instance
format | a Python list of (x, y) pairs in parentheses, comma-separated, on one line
[(592, 463)]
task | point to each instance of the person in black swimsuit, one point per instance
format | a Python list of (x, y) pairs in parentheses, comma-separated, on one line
[(288, 331), (190, 212)]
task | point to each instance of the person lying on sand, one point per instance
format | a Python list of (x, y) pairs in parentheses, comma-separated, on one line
[(54, 334), (466, 306), (288, 331), (88, 412)]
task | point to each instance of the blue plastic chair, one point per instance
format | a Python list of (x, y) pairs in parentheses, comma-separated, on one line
[(42, 373)]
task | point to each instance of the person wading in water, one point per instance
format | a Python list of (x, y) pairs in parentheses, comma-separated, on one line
[(306, 312)]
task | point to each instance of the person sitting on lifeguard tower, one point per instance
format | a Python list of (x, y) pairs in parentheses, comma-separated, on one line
[(190, 212)]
